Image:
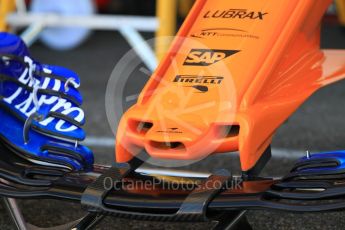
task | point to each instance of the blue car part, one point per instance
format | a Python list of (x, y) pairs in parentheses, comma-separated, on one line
[(327, 165), (40, 109)]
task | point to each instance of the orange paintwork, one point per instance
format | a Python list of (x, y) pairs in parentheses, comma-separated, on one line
[(265, 63)]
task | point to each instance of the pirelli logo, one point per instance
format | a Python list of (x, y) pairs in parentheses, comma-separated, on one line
[(194, 79)]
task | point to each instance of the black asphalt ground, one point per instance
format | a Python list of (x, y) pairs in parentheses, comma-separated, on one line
[(318, 125)]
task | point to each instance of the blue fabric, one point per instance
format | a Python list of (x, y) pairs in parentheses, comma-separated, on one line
[(57, 114)]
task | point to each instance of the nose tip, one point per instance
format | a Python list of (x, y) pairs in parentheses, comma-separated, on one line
[(166, 146), (174, 142), (170, 138)]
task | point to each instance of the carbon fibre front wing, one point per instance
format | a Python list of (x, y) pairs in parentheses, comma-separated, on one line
[(125, 191)]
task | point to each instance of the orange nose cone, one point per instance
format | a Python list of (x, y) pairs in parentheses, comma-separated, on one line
[(234, 74)]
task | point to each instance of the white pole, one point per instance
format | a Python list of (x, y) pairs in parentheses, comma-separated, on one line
[(143, 50)]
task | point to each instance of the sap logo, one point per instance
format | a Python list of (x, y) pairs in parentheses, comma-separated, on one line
[(198, 80), (206, 57), (236, 13)]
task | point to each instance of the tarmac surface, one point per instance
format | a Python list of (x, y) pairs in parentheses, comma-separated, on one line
[(317, 125)]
